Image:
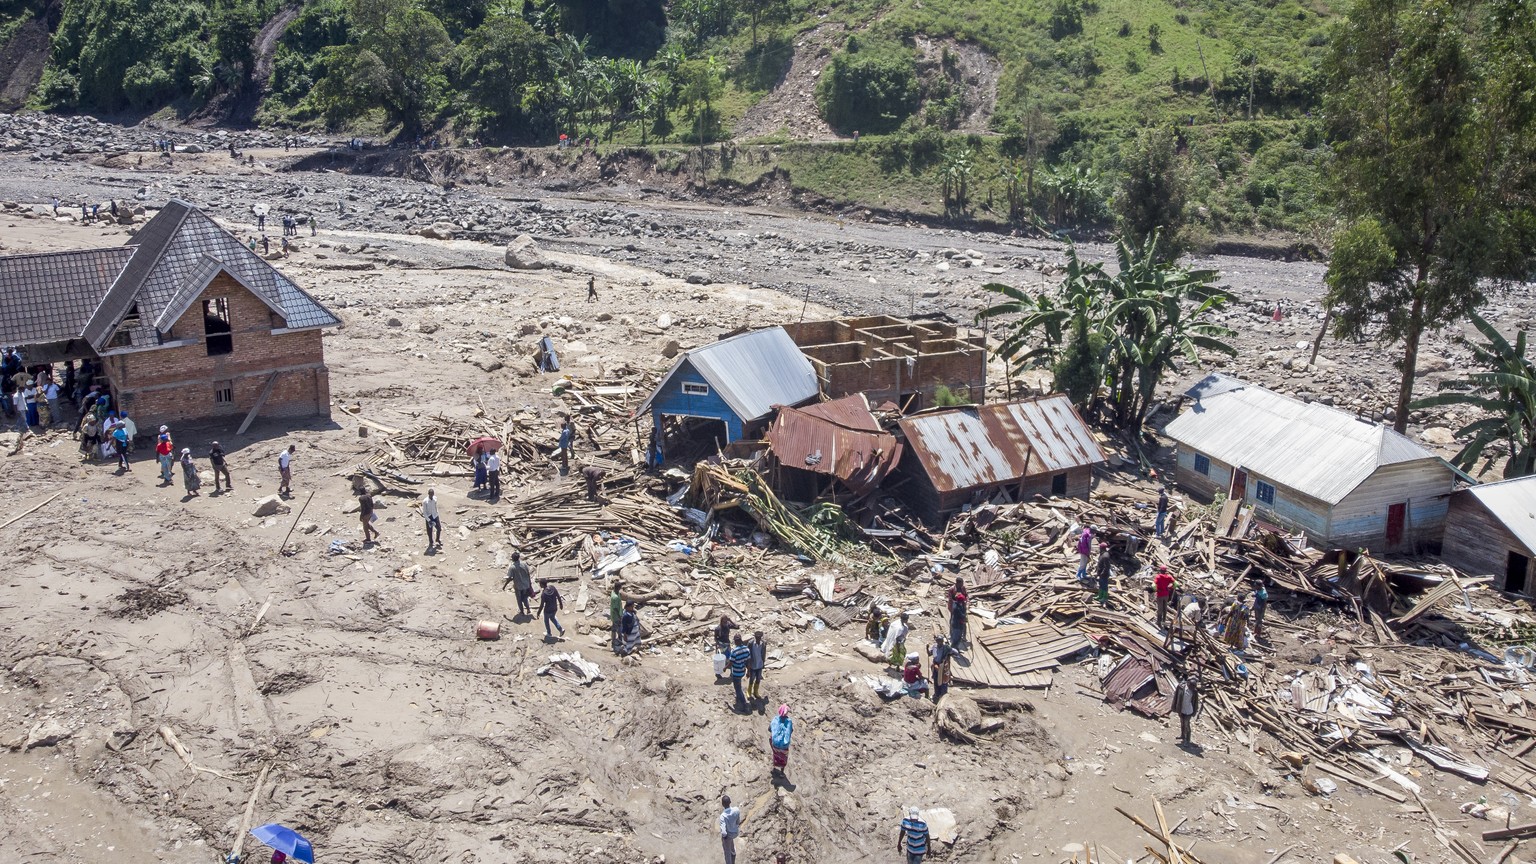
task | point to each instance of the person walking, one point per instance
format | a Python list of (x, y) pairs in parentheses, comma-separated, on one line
[(521, 580), (163, 450), (285, 470), (1105, 567), (730, 828), (90, 437), (220, 464), (939, 654), (1162, 509), (366, 514), (479, 465), (434, 524), (189, 478), (757, 659), (1260, 604), (1084, 549), (780, 730), (30, 392), (1187, 702), (550, 602), (591, 289), (629, 629), (913, 838), (493, 475), (723, 635), (740, 656), (957, 613), (615, 613), (311, 224), (120, 446), (895, 644), (1162, 584)]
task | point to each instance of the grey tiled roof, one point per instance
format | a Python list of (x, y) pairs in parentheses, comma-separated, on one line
[(174, 258), (50, 297), (63, 295)]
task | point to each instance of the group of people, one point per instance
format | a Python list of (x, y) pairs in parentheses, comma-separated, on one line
[(911, 834), (891, 635), (745, 661), (165, 454)]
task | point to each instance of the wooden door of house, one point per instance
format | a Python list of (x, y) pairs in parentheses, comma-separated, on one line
[(1239, 488), (1397, 517), (1515, 571)]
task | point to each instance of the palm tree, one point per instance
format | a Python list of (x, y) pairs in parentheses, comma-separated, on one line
[(959, 165), (1506, 390), (1046, 316)]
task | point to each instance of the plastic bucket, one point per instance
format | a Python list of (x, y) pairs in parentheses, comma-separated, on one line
[(488, 630)]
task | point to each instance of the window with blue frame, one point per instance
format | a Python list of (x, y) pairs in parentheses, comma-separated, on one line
[(1202, 464), (1265, 493)]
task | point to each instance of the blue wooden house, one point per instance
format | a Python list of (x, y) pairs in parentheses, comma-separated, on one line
[(727, 390)]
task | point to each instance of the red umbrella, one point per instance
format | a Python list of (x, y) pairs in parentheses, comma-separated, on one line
[(480, 445)]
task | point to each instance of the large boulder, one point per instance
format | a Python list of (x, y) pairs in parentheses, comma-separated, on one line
[(269, 506), (524, 254), (438, 231)]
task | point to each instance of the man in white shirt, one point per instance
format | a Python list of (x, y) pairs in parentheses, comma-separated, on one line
[(434, 525), (493, 472), (51, 394), (285, 469), (730, 828)]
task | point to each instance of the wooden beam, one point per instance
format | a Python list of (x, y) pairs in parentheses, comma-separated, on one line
[(250, 810), (1361, 781), (1518, 832), (30, 510), (260, 401)]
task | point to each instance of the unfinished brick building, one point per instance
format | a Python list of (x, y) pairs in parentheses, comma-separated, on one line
[(185, 323), (893, 359)]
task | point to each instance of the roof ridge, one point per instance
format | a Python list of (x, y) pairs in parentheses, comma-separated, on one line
[(93, 250)]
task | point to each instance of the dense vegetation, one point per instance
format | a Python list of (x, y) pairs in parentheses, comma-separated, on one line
[(1235, 82)]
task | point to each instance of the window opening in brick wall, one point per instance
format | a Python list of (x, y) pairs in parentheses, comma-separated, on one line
[(216, 326), (223, 393), (1202, 464)]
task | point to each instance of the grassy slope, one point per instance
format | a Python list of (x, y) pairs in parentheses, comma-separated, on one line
[(1246, 176)]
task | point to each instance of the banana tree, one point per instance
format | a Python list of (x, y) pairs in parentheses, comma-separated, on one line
[(1039, 322), (1505, 388)]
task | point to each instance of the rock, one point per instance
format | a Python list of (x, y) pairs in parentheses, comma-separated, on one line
[(438, 231), (527, 328), (485, 360), (871, 652), (664, 321), (671, 349), (194, 149), (524, 254), (309, 527), (269, 506), (46, 733), (700, 277), (394, 322), (429, 327), (1438, 435)]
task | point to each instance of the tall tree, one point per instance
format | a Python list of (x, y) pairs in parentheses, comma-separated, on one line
[(398, 64), (503, 67), (1431, 108), (1152, 191)]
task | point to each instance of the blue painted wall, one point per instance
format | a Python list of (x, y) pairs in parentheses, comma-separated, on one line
[(671, 400)]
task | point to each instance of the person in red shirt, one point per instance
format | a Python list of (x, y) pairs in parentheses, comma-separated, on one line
[(163, 451), (1163, 584)]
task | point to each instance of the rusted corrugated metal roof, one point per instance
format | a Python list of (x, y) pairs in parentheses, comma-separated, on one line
[(850, 411), (964, 448), (812, 440)]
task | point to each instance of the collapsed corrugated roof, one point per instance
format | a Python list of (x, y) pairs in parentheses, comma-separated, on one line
[(1512, 502), (835, 438), (1309, 447), (964, 448), (753, 372)]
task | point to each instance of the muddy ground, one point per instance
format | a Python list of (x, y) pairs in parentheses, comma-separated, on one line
[(389, 733)]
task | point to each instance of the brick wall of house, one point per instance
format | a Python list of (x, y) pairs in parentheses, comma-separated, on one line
[(181, 383)]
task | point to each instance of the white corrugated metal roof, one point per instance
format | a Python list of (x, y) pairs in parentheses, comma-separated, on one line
[(984, 445), (1512, 502), (1307, 446), (752, 372)]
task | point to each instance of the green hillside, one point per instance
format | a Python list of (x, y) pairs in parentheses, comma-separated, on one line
[(1025, 105)]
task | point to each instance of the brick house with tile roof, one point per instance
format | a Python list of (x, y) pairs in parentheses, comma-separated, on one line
[(186, 324)]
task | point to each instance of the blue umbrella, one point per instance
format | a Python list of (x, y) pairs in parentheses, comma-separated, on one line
[(285, 840)]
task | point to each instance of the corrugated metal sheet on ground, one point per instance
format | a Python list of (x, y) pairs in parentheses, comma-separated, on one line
[(979, 668), (1309, 447), (1134, 684), (753, 372), (1310, 691), (962, 448), (802, 440), (1512, 502), (1024, 648)]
